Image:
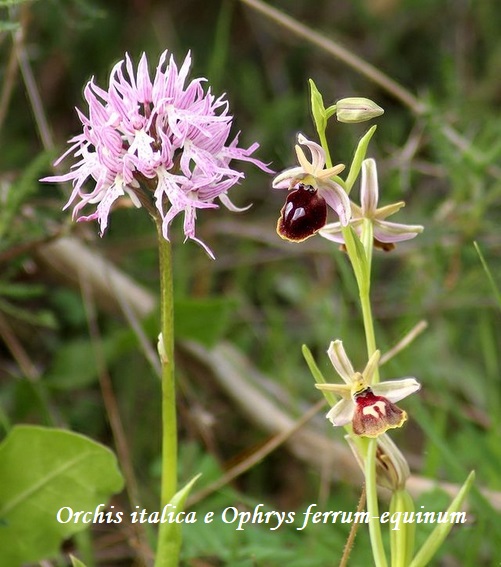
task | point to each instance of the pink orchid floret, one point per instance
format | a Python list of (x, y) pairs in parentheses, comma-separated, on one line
[(162, 142), (369, 407), (386, 233)]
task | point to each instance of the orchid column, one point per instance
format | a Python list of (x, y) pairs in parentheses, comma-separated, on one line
[(164, 145)]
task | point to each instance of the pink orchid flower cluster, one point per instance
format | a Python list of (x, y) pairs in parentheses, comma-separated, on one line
[(163, 142)]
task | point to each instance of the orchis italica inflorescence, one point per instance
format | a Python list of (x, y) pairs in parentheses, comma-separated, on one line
[(369, 408), (163, 142), (305, 210)]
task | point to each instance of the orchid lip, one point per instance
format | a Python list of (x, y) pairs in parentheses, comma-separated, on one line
[(369, 407)]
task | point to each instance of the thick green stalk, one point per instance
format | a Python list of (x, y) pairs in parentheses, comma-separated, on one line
[(168, 558), (370, 337), (360, 253), (325, 146), (372, 505)]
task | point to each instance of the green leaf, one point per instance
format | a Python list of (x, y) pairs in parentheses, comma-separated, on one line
[(441, 531), (9, 3), (43, 470), (358, 258), (402, 539), (494, 286), (6, 27), (76, 562), (22, 189), (358, 158), (317, 374), (317, 108), (169, 537)]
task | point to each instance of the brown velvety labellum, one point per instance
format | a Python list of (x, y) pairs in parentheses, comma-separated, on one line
[(304, 212)]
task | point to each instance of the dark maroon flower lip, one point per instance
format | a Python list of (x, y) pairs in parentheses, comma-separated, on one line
[(304, 213), (312, 172)]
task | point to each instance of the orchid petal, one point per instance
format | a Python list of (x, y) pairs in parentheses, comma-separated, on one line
[(341, 413), (337, 198), (225, 200), (396, 390), (331, 171), (288, 178), (388, 210), (317, 155), (386, 231), (340, 361), (306, 166), (343, 390), (371, 366), (369, 191), (332, 231)]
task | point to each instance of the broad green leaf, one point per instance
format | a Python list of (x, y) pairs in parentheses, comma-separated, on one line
[(42, 471)]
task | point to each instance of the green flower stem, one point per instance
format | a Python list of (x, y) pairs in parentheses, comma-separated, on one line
[(325, 146), (360, 254), (402, 539), (367, 240), (370, 337), (169, 425), (372, 505)]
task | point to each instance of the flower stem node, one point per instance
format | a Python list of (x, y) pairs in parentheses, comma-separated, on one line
[(164, 359), (369, 407), (357, 109)]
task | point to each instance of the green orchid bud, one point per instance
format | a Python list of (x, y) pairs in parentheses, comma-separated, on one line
[(357, 109)]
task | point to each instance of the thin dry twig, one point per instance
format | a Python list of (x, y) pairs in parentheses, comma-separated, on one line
[(348, 546), (404, 342), (256, 457), (17, 351), (372, 73), (113, 412), (10, 75), (341, 53), (31, 86)]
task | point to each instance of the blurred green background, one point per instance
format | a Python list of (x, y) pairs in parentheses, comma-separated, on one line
[(265, 296)]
